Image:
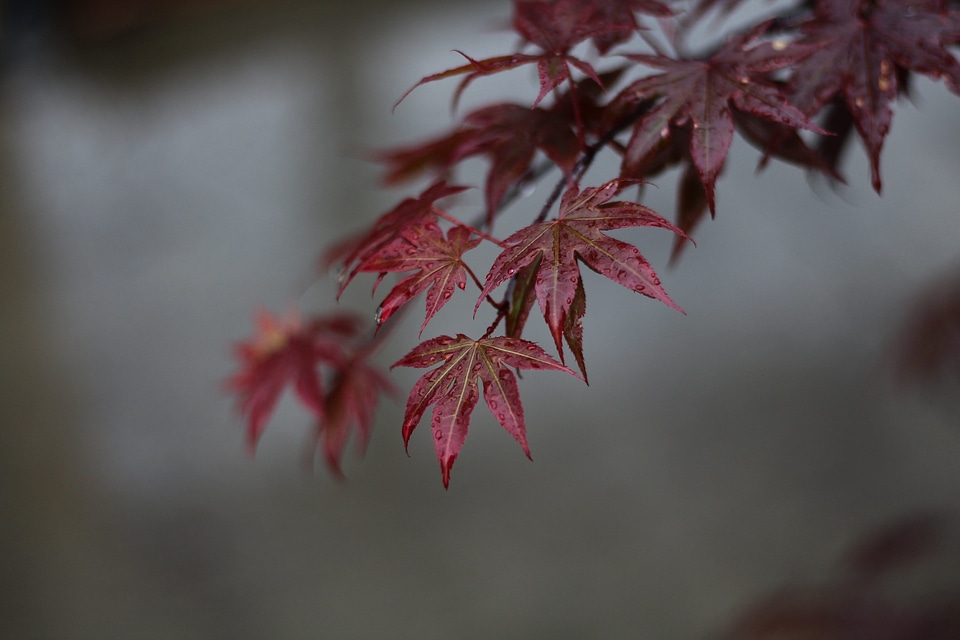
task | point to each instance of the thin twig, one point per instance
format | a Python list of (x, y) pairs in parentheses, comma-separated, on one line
[(586, 159)]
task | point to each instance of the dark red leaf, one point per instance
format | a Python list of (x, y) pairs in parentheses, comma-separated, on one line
[(438, 155), (554, 27), (691, 209), (573, 327), (702, 92), (576, 235), (558, 26), (619, 18), (388, 228), (782, 142), (509, 134), (437, 261), (472, 70), (860, 45), (521, 297), (453, 388)]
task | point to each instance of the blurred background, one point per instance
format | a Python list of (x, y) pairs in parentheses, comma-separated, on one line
[(168, 167)]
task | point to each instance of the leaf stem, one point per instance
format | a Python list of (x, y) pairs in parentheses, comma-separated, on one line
[(446, 216), (588, 155), (496, 305), (501, 314)]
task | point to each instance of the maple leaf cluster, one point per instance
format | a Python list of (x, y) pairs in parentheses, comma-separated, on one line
[(288, 352), (613, 76)]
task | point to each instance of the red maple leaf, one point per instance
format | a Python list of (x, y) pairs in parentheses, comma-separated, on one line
[(410, 212), (438, 155), (555, 28), (702, 93), (619, 18), (691, 208), (350, 405), (282, 353), (437, 260), (860, 46), (453, 388), (784, 143), (509, 134), (576, 235), (512, 134)]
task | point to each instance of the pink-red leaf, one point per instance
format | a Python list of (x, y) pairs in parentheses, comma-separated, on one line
[(388, 228), (472, 70), (691, 208), (520, 298), (511, 134), (703, 93), (576, 235), (285, 353), (554, 27), (349, 406), (436, 260), (453, 388), (508, 134)]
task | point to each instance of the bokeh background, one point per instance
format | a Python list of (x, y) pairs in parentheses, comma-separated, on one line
[(166, 168)]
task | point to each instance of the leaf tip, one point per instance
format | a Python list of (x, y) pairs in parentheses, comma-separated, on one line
[(445, 467)]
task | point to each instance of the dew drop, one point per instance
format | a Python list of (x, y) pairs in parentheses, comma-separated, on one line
[(493, 405), (501, 416), (378, 318), (437, 435), (447, 294)]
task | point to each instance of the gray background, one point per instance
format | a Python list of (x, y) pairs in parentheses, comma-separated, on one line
[(156, 189)]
